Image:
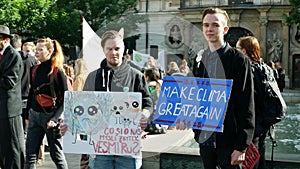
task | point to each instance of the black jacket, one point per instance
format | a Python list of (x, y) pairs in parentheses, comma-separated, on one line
[(28, 62), (119, 79), (11, 68), (42, 77), (239, 118)]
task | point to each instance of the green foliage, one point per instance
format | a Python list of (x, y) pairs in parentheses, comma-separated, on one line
[(20, 15), (61, 19), (294, 17)]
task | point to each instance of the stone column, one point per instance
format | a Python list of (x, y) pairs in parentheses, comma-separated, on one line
[(287, 59), (163, 3), (285, 40), (187, 38), (263, 21)]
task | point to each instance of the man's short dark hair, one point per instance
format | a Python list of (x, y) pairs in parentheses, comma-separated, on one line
[(214, 10)]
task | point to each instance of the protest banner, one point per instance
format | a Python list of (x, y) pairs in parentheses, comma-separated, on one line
[(139, 58), (198, 102), (105, 123)]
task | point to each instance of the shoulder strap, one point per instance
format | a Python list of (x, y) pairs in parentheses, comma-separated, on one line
[(33, 71), (55, 72), (52, 89)]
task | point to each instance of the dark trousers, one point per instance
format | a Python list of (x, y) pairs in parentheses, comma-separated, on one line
[(259, 143), (11, 143), (36, 131), (217, 158)]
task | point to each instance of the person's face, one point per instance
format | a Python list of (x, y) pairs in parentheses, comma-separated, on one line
[(3, 42), (214, 27), (28, 49), (42, 53), (113, 50), (150, 62)]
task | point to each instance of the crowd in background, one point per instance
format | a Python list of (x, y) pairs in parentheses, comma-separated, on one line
[(37, 123)]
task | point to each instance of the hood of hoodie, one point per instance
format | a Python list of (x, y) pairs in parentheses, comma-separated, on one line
[(116, 75), (119, 70)]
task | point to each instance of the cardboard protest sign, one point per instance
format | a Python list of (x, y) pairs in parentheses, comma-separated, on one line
[(198, 102), (105, 123)]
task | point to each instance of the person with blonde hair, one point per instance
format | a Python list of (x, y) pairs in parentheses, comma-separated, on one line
[(44, 119), (81, 72), (29, 48), (116, 75), (172, 68), (184, 68)]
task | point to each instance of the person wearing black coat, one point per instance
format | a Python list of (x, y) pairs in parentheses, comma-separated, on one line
[(11, 129), (227, 149)]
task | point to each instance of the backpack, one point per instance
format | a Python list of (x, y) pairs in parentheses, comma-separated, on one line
[(273, 107), (55, 71)]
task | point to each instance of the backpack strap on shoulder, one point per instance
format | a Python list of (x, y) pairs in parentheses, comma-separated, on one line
[(52, 89), (33, 71)]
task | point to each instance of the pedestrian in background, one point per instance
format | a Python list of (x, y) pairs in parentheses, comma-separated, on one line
[(11, 128), (172, 68), (184, 68), (249, 46), (154, 83), (116, 75), (29, 48), (225, 150), (281, 76), (28, 62), (45, 119), (81, 73)]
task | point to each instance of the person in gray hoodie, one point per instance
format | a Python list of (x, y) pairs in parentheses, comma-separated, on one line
[(116, 75)]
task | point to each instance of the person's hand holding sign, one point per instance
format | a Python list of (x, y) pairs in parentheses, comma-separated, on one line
[(144, 117), (180, 126)]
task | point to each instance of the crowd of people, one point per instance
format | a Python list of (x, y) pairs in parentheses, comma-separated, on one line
[(27, 77)]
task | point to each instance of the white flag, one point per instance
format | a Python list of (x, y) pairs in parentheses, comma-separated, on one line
[(140, 59), (91, 47)]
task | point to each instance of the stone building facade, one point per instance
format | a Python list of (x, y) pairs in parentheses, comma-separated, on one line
[(174, 27)]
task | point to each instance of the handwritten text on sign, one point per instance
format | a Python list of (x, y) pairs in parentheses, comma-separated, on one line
[(198, 102), (105, 123)]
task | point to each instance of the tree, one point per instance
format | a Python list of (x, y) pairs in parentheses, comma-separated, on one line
[(294, 17), (20, 15), (64, 19), (61, 19)]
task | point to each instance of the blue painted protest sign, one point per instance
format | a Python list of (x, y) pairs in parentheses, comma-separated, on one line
[(198, 102)]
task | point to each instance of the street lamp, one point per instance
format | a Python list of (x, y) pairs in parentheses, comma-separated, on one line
[(147, 26)]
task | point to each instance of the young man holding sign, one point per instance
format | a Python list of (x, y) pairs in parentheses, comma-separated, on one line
[(226, 149), (115, 75)]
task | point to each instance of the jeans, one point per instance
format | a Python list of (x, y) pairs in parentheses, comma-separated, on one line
[(37, 129), (115, 162)]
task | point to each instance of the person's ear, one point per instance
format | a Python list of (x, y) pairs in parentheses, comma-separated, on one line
[(226, 28), (244, 51), (50, 52)]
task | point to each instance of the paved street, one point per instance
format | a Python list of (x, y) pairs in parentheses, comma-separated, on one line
[(72, 160), (170, 142)]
